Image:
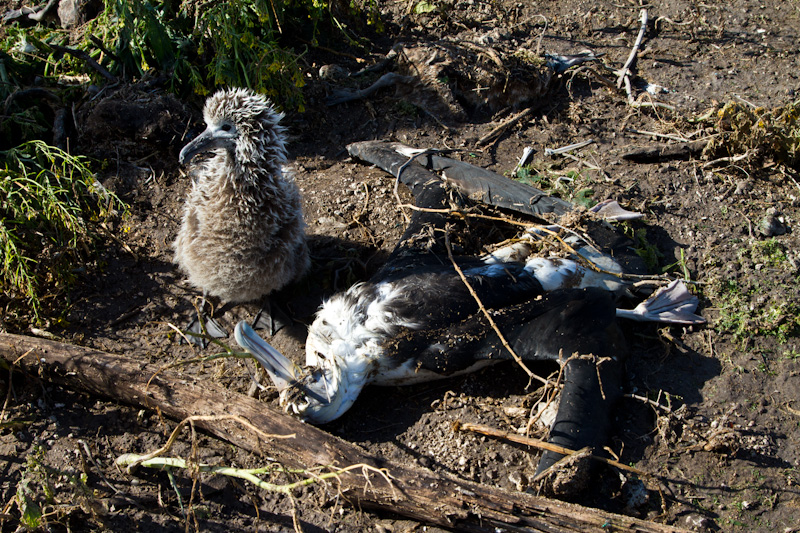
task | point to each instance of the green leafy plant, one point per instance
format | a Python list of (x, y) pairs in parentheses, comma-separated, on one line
[(233, 43), (568, 185), (648, 251), (680, 266), (26, 55), (51, 204), (30, 52), (34, 491)]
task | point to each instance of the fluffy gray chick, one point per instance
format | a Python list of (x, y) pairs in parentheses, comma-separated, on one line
[(242, 235)]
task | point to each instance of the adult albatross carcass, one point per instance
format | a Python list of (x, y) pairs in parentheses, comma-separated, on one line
[(415, 320), (242, 235)]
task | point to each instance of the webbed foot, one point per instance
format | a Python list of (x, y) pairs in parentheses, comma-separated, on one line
[(272, 318), (201, 327), (672, 304)]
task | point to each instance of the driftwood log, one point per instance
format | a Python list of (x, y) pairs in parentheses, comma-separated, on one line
[(414, 492)]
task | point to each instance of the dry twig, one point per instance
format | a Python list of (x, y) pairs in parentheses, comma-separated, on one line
[(492, 323), (496, 132), (80, 54), (544, 445), (625, 72)]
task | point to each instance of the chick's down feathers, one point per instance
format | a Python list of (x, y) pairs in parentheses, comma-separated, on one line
[(242, 235)]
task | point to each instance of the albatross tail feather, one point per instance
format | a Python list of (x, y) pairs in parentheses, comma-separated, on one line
[(672, 304)]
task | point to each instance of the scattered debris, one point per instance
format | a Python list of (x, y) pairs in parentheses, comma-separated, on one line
[(569, 148)]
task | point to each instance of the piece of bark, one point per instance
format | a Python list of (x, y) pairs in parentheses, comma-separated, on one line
[(666, 152), (414, 492)]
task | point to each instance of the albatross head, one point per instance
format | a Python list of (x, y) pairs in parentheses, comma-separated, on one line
[(244, 124), (318, 394)]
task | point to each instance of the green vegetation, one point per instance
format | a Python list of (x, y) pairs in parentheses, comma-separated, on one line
[(51, 206), (756, 133), (222, 44), (770, 253), (34, 490), (234, 43), (46, 496), (648, 251), (570, 185), (779, 319), (198, 47), (752, 306)]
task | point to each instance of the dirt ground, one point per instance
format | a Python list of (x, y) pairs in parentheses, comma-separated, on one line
[(727, 430)]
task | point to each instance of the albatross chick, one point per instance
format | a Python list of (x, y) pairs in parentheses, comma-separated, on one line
[(242, 235)]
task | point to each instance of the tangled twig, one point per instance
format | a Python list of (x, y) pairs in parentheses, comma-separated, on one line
[(191, 420)]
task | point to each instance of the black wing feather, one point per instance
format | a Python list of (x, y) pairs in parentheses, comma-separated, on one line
[(560, 322), (479, 184)]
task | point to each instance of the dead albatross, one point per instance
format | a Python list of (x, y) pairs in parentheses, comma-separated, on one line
[(415, 319)]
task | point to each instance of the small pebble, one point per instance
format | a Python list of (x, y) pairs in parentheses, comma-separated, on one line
[(332, 72), (771, 225)]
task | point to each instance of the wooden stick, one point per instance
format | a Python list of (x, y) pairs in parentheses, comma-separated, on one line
[(504, 126), (413, 492), (544, 445), (488, 316), (625, 72), (678, 138)]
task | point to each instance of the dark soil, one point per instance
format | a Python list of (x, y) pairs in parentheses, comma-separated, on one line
[(727, 433)]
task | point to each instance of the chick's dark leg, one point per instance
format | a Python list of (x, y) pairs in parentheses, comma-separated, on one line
[(202, 326)]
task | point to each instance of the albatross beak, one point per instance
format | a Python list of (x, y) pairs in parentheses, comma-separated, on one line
[(314, 395), (211, 139), (283, 372)]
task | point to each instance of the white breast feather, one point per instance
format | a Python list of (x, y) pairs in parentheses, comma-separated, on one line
[(352, 340), (555, 273)]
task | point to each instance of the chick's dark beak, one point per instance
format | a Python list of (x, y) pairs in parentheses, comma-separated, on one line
[(210, 139)]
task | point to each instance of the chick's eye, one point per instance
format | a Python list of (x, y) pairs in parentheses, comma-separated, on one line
[(226, 127)]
